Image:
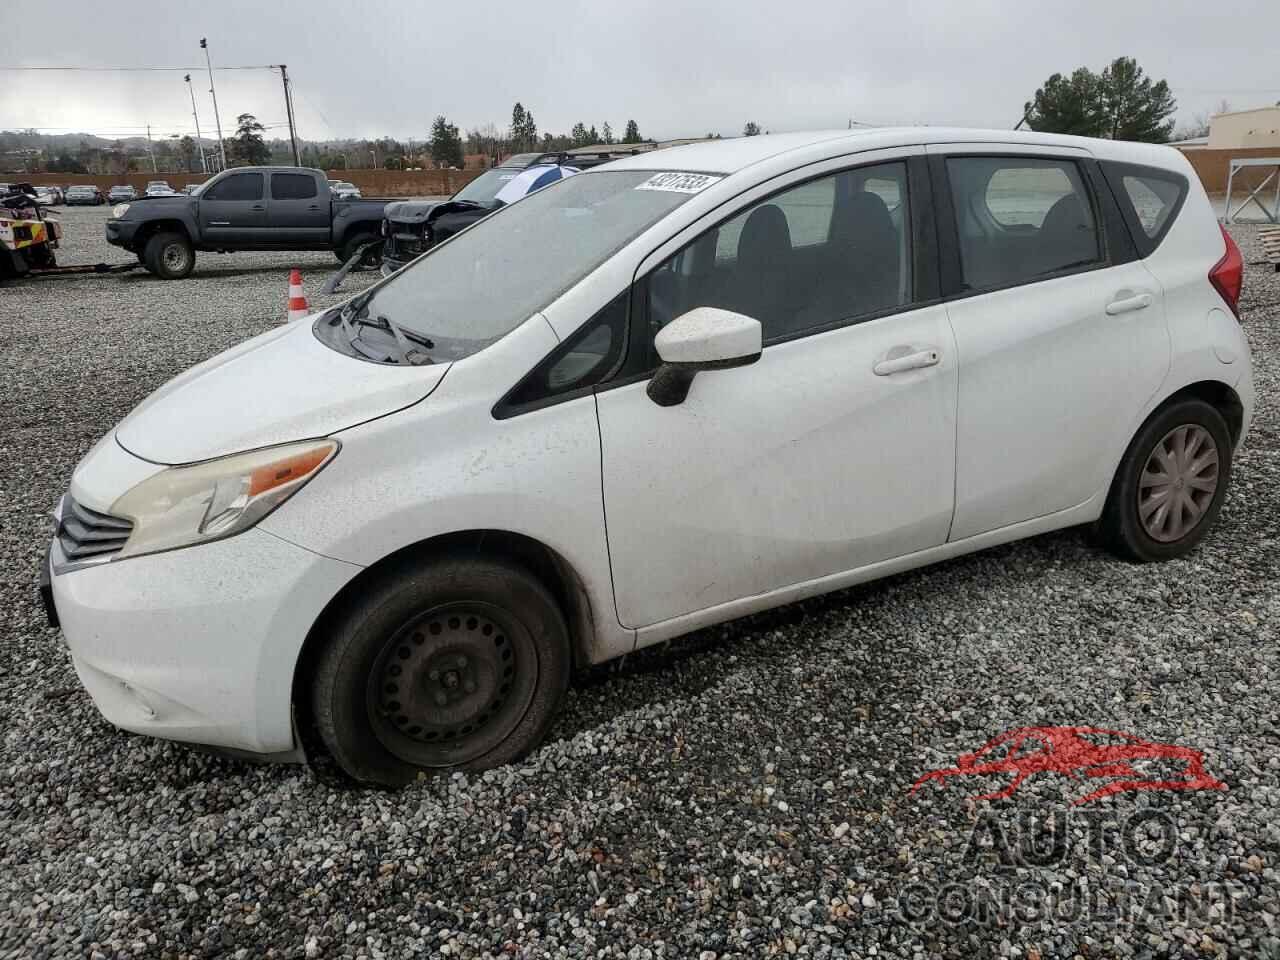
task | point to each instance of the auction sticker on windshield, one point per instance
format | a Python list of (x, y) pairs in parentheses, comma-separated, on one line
[(679, 182)]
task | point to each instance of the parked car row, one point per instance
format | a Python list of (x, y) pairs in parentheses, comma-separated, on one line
[(88, 194)]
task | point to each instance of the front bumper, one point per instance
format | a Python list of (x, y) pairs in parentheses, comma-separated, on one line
[(198, 644), (120, 233)]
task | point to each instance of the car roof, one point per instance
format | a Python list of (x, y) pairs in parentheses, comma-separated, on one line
[(731, 155)]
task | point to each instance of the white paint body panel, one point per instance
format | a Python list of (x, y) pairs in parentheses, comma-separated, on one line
[(199, 644), (802, 473), (804, 464), (282, 385)]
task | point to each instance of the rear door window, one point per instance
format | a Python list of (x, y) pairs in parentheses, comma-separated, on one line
[(293, 186), (1149, 199), (1021, 219)]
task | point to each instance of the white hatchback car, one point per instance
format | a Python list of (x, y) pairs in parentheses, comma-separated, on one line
[(667, 392)]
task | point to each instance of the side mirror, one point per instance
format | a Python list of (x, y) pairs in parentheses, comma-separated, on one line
[(705, 338)]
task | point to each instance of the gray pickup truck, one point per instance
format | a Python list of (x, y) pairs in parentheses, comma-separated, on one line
[(244, 208)]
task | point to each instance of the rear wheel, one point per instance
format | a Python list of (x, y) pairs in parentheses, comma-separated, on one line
[(169, 256), (456, 665), (372, 257), (1170, 485)]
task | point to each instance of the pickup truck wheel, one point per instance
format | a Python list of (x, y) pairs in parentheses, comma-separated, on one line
[(169, 256), (372, 258), (460, 664)]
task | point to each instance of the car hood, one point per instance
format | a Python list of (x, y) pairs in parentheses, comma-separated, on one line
[(155, 204), (283, 385), (409, 211)]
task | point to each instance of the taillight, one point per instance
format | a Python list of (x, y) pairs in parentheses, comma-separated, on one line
[(1227, 275)]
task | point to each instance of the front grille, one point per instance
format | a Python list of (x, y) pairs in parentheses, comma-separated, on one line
[(406, 242), (86, 534)]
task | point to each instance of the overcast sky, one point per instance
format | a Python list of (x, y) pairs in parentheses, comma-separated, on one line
[(679, 69)]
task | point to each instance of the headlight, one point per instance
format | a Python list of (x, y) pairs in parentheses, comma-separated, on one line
[(119, 210), (182, 506)]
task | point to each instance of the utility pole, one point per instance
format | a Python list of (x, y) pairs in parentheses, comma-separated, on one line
[(222, 147), (288, 109), (204, 166), (151, 152)]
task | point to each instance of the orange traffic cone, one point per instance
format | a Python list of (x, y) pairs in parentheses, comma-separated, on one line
[(297, 299)]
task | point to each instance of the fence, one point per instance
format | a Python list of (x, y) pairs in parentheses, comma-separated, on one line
[(1214, 166)]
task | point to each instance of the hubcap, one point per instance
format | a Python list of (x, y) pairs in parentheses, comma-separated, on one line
[(452, 684), (1178, 483), (174, 256)]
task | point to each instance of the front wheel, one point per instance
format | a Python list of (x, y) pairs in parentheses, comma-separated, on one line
[(453, 665), (169, 256), (1170, 485)]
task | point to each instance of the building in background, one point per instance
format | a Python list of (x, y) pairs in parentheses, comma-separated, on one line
[(1245, 129)]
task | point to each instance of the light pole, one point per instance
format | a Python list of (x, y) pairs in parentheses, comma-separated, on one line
[(222, 148), (204, 166)]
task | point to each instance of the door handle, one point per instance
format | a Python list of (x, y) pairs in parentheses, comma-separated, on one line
[(896, 362), (314, 206), (1126, 304), (257, 206)]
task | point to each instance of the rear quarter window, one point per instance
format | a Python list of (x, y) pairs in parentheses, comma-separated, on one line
[(1149, 198)]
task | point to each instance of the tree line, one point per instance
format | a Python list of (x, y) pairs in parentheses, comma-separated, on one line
[(448, 145)]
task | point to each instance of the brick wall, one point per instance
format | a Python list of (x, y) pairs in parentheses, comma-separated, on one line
[(372, 183)]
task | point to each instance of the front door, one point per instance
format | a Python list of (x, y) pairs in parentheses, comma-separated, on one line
[(1061, 334), (834, 450), (298, 215), (234, 210)]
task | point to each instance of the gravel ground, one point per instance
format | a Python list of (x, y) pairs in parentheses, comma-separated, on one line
[(741, 793)]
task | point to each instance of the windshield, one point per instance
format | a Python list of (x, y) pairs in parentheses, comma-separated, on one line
[(485, 187), (486, 281)]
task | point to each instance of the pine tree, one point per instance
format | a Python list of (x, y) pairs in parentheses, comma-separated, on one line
[(446, 144)]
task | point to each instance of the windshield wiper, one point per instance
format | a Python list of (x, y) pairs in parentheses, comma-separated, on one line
[(356, 314), (403, 337)]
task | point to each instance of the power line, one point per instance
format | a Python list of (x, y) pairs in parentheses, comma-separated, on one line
[(264, 66)]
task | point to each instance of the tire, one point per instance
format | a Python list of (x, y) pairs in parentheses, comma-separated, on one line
[(372, 259), (452, 665), (169, 256), (1137, 523)]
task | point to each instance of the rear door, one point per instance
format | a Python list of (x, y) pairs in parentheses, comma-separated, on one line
[(297, 211), (234, 210), (1060, 330)]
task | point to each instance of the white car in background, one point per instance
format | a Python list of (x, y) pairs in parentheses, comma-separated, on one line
[(661, 394), (158, 188), (344, 190)]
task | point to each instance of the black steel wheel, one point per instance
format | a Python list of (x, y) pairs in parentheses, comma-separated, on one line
[(452, 684), (452, 664)]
